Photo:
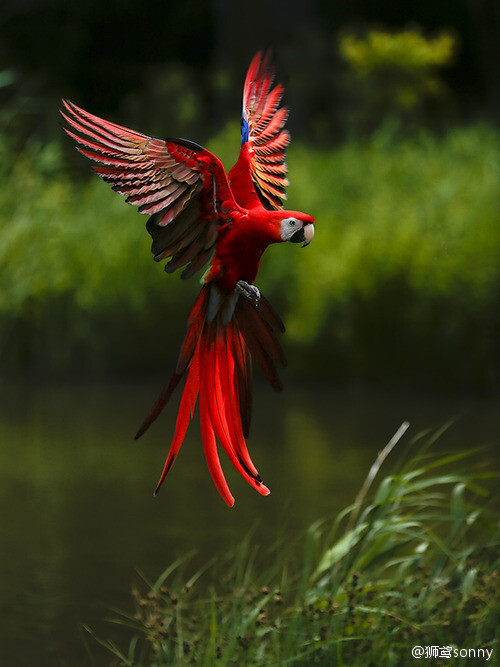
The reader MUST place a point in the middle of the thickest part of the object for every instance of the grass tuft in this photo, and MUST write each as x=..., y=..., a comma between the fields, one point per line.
x=413, y=561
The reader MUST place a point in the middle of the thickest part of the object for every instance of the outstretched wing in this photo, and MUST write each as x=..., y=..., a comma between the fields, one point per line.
x=260, y=175
x=180, y=184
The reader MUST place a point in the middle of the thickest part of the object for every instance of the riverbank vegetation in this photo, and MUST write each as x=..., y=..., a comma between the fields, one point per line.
x=412, y=562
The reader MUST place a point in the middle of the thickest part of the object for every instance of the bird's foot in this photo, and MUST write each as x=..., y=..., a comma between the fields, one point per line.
x=250, y=291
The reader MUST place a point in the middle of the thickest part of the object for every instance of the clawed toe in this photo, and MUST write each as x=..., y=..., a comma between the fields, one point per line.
x=250, y=291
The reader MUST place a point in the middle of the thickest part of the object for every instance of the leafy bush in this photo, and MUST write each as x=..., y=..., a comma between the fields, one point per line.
x=403, y=277
x=394, y=74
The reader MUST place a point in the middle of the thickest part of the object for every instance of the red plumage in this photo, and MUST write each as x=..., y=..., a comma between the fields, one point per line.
x=197, y=215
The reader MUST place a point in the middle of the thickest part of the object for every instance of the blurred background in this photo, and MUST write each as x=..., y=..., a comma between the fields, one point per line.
x=395, y=152
x=392, y=313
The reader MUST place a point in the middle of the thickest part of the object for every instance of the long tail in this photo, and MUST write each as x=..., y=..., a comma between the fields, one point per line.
x=217, y=356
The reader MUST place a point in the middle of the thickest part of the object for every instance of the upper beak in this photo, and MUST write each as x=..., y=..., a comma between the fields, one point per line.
x=303, y=235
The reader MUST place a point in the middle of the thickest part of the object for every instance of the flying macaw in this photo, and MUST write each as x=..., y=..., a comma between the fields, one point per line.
x=198, y=215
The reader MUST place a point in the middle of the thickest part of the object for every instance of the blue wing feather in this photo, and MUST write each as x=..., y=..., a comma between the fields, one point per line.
x=244, y=131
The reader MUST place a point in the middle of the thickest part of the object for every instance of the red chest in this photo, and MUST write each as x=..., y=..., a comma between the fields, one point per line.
x=238, y=253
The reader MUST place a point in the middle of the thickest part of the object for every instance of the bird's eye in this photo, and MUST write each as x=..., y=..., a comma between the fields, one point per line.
x=292, y=223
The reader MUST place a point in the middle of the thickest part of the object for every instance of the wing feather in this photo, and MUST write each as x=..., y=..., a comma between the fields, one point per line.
x=177, y=182
x=261, y=171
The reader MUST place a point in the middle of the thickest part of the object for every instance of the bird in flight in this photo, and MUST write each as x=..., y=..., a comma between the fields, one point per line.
x=199, y=215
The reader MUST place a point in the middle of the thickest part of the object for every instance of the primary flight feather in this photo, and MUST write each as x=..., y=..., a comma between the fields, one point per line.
x=200, y=215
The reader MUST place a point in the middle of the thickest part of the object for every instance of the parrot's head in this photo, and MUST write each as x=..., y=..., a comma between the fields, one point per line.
x=297, y=227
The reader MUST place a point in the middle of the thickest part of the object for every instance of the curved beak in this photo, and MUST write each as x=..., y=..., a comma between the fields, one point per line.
x=308, y=234
x=303, y=235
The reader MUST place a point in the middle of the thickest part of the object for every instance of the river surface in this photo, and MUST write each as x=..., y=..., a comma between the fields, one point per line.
x=79, y=523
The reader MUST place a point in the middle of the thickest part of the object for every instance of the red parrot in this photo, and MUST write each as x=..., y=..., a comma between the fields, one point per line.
x=198, y=215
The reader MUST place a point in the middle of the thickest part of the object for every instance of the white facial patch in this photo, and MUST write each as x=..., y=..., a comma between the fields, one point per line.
x=288, y=227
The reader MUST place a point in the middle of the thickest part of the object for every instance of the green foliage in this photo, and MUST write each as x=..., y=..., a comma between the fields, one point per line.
x=406, y=50
x=413, y=563
x=395, y=73
x=404, y=271
x=402, y=279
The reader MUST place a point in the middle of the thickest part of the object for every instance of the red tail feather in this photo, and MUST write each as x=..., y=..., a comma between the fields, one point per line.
x=240, y=384
x=209, y=441
x=219, y=372
x=185, y=414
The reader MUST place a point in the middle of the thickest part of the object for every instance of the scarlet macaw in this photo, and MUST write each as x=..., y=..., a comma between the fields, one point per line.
x=199, y=214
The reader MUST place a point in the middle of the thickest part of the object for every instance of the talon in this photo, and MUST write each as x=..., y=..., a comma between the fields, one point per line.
x=250, y=291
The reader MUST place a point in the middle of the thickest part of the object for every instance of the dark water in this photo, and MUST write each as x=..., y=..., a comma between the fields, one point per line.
x=78, y=520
